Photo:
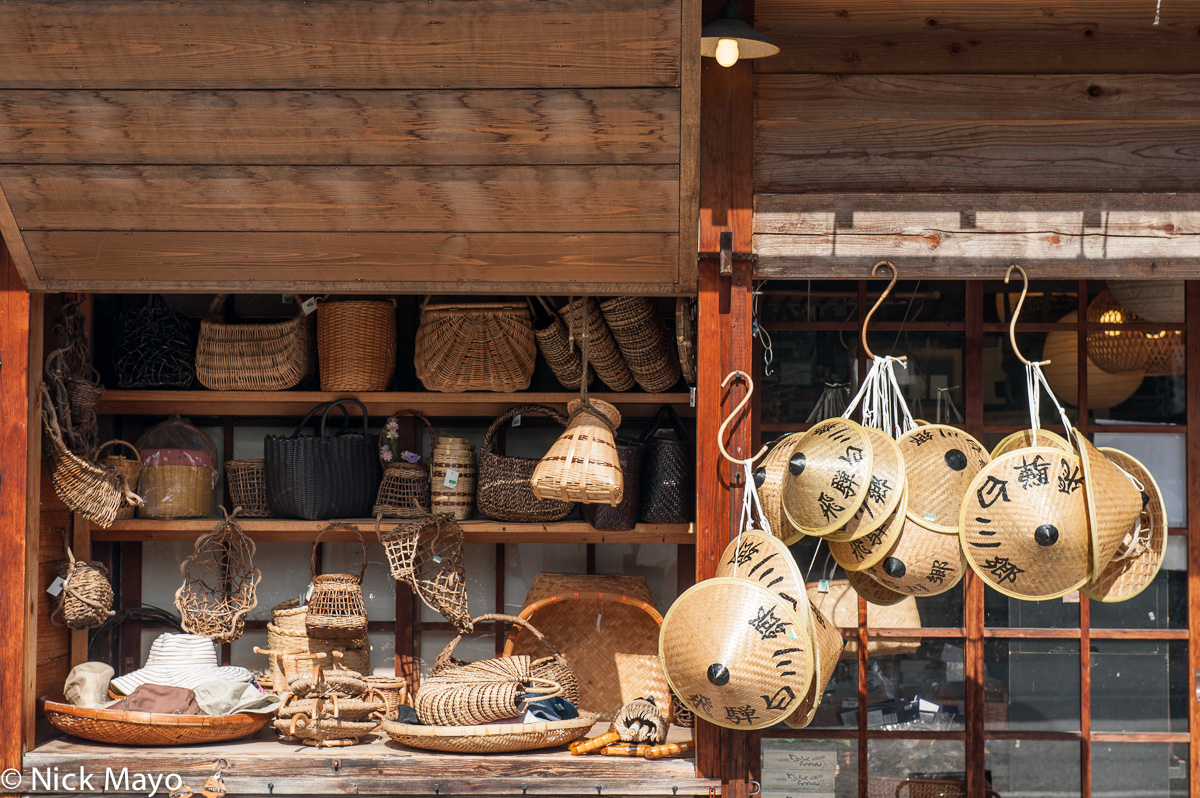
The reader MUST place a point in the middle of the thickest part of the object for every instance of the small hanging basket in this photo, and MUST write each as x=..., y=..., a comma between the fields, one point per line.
x=87, y=596
x=219, y=583
x=248, y=487
x=405, y=490
x=336, y=610
x=427, y=555
x=128, y=469
x=583, y=464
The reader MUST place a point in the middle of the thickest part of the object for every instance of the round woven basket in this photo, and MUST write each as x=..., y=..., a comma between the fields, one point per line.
x=292, y=651
x=455, y=500
x=325, y=732
x=87, y=596
x=863, y=552
x=939, y=463
x=404, y=491
x=148, y=728
x=1155, y=354
x=583, y=464
x=356, y=344
x=176, y=491
x=336, y=610
x=642, y=338
x=491, y=739
x=127, y=468
x=828, y=472
x=248, y=487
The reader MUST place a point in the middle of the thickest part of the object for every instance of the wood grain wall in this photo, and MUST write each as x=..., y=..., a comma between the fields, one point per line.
x=882, y=128
x=350, y=144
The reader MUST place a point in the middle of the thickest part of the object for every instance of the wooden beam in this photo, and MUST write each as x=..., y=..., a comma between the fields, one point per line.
x=1012, y=37
x=689, y=151
x=363, y=262
x=36, y=673
x=1193, y=539
x=290, y=44
x=17, y=552
x=459, y=199
x=347, y=128
x=13, y=243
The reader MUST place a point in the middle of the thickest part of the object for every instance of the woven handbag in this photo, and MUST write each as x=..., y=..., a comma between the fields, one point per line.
x=323, y=476
x=504, y=492
x=258, y=356
x=624, y=516
x=666, y=471
x=155, y=347
x=475, y=347
x=336, y=610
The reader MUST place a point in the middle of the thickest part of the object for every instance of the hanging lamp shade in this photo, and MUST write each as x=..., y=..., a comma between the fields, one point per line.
x=1104, y=389
x=728, y=38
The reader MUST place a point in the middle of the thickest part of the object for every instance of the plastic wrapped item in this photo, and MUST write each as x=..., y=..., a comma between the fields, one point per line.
x=178, y=471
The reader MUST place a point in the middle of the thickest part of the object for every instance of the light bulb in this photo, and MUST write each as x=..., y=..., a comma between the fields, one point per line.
x=727, y=52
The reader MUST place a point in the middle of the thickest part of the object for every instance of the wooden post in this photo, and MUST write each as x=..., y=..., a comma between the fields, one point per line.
x=16, y=586
x=1193, y=528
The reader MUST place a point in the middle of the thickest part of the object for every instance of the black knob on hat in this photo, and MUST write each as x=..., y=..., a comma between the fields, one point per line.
x=1046, y=535
x=760, y=476
x=796, y=464
x=1145, y=499
x=956, y=460
x=718, y=674
x=894, y=567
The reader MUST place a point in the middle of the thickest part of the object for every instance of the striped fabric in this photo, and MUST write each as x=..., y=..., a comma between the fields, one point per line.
x=180, y=660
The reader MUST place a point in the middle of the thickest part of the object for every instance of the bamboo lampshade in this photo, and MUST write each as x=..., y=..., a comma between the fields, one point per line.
x=1153, y=353
x=1104, y=389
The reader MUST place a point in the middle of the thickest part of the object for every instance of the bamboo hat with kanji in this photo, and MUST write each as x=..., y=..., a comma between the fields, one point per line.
x=939, y=463
x=828, y=474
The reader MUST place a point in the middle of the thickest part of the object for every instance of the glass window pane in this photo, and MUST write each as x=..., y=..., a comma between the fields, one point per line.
x=1047, y=301
x=891, y=762
x=839, y=706
x=805, y=361
x=1139, y=685
x=1039, y=679
x=1162, y=605
x=902, y=670
x=1034, y=768
x=1137, y=770
x=792, y=301
x=1002, y=612
x=1165, y=456
x=1005, y=395
x=934, y=373
x=792, y=768
x=942, y=610
x=919, y=301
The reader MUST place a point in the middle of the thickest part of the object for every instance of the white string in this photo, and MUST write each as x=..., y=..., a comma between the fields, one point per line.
x=1157, y=11
x=750, y=503
x=883, y=404
x=816, y=551
x=1035, y=378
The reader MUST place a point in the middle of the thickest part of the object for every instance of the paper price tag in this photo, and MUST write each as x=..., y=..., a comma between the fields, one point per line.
x=308, y=593
x=451, y=479
x=309, y=306
x=822, y=585
x=56, y=586
x=517, y=420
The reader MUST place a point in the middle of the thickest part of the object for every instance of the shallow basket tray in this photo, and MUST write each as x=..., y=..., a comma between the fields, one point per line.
x=148, y=728
x=491, y=738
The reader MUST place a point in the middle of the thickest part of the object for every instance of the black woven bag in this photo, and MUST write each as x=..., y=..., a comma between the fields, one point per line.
x=155, y=347
x=323, y=476
x=504, y=491
x=666, y=471
x=624, y=516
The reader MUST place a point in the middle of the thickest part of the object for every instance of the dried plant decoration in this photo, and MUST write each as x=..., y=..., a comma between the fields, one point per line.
x=219, y=583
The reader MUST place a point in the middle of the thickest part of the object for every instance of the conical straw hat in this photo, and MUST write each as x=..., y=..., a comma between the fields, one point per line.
x=1024, y=524
x=765, y=560
x=1024, y=439
x=769, y=479
x=865, y=585
x=864, y=552
x=1113, y=503
x=828, y=642
x=921, y=562
x=582, y=465
x=883, y=492
x=828, y=473
x=733, y=652
x=1126, y=576
x=939, y=463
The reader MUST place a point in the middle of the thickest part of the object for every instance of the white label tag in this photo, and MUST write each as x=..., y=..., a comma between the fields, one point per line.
x=1071, y=598
x=437, y=559
x=692, y=396
x=822, y=585
x=451, y=479
x=517, y=420
x=309, y=306
x=930, y=517
x=308, y=593
x=56, y=586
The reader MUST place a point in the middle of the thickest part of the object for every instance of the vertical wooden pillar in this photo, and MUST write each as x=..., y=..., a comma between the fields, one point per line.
x=1193, y=527
x=973, y=597
x=15, y=601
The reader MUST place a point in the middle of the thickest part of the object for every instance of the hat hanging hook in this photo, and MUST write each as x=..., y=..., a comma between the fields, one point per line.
x=1012, y=324
x=737, y=412
x=862, y=339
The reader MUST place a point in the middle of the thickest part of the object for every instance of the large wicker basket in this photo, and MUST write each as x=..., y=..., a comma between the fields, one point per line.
x=356, y=344
x=293, y=652
x=492, y=738
x=475, y=347
x=642, y=338
x=175, y=490
x=148, y=728
x=258, y=356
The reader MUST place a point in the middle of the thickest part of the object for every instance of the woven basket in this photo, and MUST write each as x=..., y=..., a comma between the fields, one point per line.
x=1155, y=354
x=148, y=728
x=356, y=344
x=427, y=555
x=127, y=468
x=614, y=663
x=248, y=487
x=504, y=490
x=259, y=356
x=583, y=465
x=496, y=739
x=642, y=338
x=175, y=490
x=404, y=491
x=391, y=690
x=291, y=650
x=325, y=732
x=219, y=583
x=624, y=516
x=475, y=347
x=604, y=355
x=455, y=500
x=155, y=347
x=87, y=596
x=559, y=349
x=336, y=610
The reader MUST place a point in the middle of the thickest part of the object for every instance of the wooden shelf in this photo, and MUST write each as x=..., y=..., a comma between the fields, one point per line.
x=480, y=404
x=481, y=531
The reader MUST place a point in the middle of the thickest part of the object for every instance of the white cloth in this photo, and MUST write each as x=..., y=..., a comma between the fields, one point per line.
x=180, y=660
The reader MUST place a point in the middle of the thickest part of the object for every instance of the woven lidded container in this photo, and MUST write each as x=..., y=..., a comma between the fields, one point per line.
x=253, y=356
x=248, y=487
x=642, y=338
x=293, y=652
x=604, y=356
x=452, y=476
x=129, y=469
x=178, y=475
x=475, y=347
x=583, y=464
x=356, y=344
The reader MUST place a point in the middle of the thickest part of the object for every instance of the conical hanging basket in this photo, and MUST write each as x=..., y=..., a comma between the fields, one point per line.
x=1023, y=526
x=828, y=472
x=583, y=464
x=1155, y=354
x=885, y=489
x=769, y=479
x=863, y=552
x=921, y=562
x=939, y=462
x=828, y=644
x=1113, y=502
x=1137, y=562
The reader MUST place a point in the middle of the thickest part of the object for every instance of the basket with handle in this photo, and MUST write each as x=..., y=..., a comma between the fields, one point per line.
x=666, y=494
x=475, y=346
x=404, y=491
x=469, y=694
x=220, y=582
x=248, y=487
x=127, y=468
x=256, y=356
x=504, y=492
x=356, y=344
x=291, y=649
x=642, y=338
x=336, y=610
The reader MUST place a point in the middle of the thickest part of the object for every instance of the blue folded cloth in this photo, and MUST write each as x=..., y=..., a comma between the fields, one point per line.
x=550, y=709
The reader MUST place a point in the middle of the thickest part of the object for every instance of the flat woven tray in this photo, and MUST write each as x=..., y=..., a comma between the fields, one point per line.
x=491, y=738
x=148, y=728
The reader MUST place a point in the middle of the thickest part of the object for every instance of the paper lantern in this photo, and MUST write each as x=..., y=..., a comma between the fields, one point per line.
x=1104, y=389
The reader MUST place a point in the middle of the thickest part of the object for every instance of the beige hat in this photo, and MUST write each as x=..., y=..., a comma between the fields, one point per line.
x=863, y=552
x=828, y=474
x=87, y=685
x=828, y=643
x=1025, y=438
x=866, y=586
x=1113, y=502
x=769, y=479
x=939, y=463
x=883, y=492
x=921, y=562
x=180, y=660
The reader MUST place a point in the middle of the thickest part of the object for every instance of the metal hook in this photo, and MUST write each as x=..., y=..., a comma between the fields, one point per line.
x=862, y=337
x=1012, y=324
x=736, y=412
